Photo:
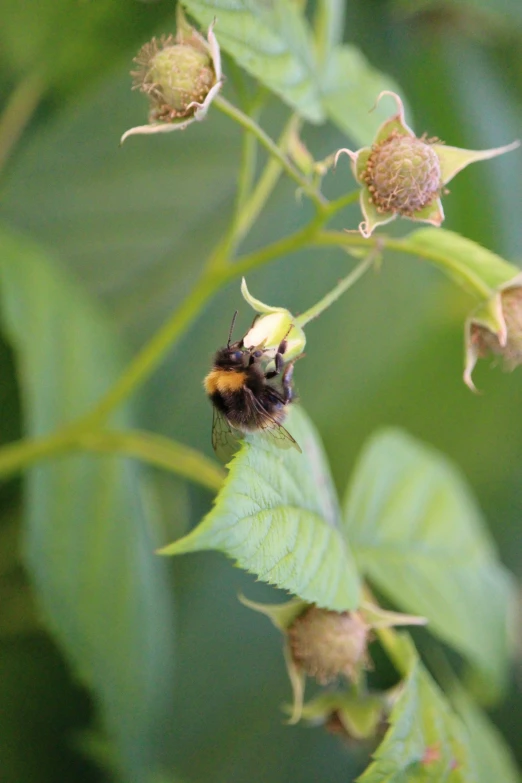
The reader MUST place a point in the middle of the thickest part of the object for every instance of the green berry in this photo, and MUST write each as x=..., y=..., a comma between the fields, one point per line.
x=403, y=175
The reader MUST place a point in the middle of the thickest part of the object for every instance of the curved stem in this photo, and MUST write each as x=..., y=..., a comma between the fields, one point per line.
x=246, y=169
x=266, y=183
x=447, y=262
x=158, y=451
x=146, y=446
x=271, y=147
x=333, y=295
x=16, y=456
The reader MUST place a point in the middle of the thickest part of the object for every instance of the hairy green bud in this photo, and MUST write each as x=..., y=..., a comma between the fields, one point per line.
x=403, y=175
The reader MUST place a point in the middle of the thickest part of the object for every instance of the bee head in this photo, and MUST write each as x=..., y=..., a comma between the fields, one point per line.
x=232, y=358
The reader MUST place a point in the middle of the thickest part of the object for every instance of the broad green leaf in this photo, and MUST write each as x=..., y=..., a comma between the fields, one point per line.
x=350, y=86
x=425, y=741
x=277, y=517
x=463, y=259
x=493, y=758
x=419, y=537
x=273, y=42
x=89, y=536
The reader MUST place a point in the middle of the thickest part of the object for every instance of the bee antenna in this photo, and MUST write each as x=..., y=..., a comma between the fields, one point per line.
x=231, y=329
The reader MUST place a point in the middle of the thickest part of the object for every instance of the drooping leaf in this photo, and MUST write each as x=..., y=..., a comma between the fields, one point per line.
x=425, y=741
x=464, y=259
x=277, y=516
x=273, y=42
x=90, y=534
x=419, y=537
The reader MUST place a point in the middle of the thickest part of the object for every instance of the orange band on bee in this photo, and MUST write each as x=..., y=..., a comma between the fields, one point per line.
x=224, y=381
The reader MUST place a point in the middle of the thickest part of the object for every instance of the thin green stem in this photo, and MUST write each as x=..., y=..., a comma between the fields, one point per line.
x=19, y=455
x=281, y=247
x=158, y=451
x=246, y=171
x=340, y=203
x=266, y=184
x=445, y=262
x=18, y=111
x=145, y=446
x=333, y=295
x=271, y=147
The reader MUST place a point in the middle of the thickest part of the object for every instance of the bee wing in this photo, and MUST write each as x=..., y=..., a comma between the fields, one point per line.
x=275, y=432
x=224, y=438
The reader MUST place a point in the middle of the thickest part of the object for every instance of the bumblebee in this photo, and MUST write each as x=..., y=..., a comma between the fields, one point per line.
x=242, y=397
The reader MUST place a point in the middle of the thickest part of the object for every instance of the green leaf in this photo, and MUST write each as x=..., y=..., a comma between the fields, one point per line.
x=425, y=741
x=277, y=516
x=493, y=758
x=419, y=537
x=470, y=264
x=273, y=42
x=350, y=86
x=90, y=533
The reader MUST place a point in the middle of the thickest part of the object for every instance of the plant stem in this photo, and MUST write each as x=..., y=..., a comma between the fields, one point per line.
x=18, y=111
x=266, y=183
x=271, y=147
x=246, y=169
x=158, y=451
x=340, y=203
x=446, y=262
x=145, y=446
x=331, y=297
x=16, y=456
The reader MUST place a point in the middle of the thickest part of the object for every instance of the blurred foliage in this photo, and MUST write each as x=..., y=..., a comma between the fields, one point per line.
x=129, y=230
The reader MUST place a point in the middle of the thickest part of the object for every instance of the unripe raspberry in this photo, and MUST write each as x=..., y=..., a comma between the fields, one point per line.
x=326, y=644
x=174, y=76
x=485, y=340
x=403, y=175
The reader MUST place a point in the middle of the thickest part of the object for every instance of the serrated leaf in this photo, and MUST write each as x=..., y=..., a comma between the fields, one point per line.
x=350, y=86
x=419, y=537
x=277, y=516
x=465, y=260
x=271, y=40
x=425, y=741
x=89, y=535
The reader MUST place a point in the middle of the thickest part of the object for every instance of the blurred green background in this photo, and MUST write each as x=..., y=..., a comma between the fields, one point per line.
x=130, y=229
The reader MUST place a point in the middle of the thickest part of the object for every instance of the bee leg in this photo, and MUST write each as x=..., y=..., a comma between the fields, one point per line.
x=279, y=360
x=286, y=382
x=288, y=389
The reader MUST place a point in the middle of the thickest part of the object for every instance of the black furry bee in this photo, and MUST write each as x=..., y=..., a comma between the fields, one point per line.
x=244, y=400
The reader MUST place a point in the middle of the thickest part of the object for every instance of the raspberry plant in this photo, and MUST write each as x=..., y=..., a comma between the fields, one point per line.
x=396, y=629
